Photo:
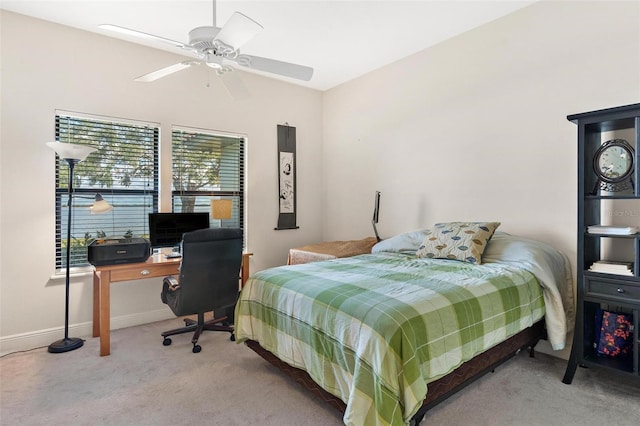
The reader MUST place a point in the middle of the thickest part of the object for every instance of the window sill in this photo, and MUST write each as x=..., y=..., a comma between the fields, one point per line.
x=82, y=271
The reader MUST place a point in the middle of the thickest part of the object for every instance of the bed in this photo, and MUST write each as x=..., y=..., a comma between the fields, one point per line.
x=384, y=336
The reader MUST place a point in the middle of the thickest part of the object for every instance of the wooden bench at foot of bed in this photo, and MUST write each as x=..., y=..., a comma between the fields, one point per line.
x=440, y=389
x=330, y=250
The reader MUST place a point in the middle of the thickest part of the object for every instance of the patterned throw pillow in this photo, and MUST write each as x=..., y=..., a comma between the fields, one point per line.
x=463, y=241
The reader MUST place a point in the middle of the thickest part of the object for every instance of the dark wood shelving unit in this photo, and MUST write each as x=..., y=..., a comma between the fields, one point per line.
x=597, y=291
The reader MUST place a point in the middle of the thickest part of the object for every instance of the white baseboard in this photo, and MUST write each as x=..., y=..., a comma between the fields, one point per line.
x=42, y=338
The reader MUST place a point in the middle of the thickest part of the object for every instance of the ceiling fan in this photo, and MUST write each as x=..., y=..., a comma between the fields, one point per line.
x=219, y=48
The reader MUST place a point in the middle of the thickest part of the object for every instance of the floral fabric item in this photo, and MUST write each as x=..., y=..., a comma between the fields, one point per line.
x=463, y=241
x=615, y=335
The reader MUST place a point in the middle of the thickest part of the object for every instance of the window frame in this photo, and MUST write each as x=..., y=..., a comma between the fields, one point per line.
x=240, y=193
x=85, y=192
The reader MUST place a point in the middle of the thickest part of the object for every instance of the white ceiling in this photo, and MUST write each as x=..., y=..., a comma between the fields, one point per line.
x=341, y=40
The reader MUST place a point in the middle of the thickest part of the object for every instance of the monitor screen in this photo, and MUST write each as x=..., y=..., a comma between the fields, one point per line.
x=166, y=229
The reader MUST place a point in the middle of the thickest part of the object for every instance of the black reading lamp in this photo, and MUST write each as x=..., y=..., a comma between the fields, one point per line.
x=72, y=154
x=376, y=213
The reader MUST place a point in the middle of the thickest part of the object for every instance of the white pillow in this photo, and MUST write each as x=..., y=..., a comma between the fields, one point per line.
x=408, y=241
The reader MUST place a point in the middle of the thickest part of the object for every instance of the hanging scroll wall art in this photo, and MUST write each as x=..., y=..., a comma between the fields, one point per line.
x=287, y=177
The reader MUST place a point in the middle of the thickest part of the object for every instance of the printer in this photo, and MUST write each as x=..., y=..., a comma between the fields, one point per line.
x=113, y=251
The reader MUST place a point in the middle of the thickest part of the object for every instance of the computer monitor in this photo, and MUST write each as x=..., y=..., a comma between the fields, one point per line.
x=166, y=229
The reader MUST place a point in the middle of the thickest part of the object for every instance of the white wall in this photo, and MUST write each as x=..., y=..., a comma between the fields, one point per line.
x=475, y=128
x=45, y=67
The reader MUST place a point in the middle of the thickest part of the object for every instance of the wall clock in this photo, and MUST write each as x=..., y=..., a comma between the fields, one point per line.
x=613, y=166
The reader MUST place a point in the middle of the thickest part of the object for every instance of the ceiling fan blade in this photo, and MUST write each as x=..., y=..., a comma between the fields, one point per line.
x=163, y=72
x=238, y=30
x=234, y=85
x=127, y=31
x=273, y=66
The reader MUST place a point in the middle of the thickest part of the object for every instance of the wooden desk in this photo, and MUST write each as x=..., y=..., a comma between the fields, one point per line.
x=103, y=276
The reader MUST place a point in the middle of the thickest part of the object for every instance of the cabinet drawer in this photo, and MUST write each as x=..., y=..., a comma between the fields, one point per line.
x=612, y=290
x=135, y=273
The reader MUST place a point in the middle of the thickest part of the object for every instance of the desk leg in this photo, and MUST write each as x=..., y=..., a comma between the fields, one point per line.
x=96, y=303
x=105, y=312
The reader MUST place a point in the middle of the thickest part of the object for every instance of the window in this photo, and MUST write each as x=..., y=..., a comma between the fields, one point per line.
x=208, y=166
x=124, y=170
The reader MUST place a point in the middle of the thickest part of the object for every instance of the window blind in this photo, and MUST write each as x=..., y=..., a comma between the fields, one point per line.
x=124, y=170
x=208, y=166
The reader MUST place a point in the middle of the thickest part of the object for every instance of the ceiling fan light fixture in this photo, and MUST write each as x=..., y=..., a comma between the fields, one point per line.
x=214, y=61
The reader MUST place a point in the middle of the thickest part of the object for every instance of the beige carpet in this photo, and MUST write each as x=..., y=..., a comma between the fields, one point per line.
x=145, y=383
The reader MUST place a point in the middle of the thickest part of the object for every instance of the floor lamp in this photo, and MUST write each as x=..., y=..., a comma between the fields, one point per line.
x=72, y=154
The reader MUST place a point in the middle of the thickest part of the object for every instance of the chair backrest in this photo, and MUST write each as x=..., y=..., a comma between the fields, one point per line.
x=210, y=270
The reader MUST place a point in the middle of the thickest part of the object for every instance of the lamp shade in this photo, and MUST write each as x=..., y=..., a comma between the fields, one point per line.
x=221, y=209
x=71, y=151
x=100, y=205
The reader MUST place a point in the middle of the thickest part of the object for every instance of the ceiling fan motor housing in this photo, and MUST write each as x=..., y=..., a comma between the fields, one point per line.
x=202, y=38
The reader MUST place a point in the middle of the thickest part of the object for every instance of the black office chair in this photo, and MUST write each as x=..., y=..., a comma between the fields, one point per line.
x=209, y=274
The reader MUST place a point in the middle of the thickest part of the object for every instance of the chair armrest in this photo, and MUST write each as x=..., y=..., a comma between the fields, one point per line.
x=169, y=285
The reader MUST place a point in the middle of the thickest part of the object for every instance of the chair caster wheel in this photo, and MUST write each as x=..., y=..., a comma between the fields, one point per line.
x=196, y=348
x=232, y=337
x=166, y=341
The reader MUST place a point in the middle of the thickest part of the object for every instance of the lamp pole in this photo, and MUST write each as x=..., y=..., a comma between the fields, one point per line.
x=68, y=343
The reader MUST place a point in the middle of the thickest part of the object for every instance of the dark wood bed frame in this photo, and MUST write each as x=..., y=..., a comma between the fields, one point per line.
x=440, y=389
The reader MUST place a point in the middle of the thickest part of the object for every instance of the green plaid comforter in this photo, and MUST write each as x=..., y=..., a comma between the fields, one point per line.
x=375, y=329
